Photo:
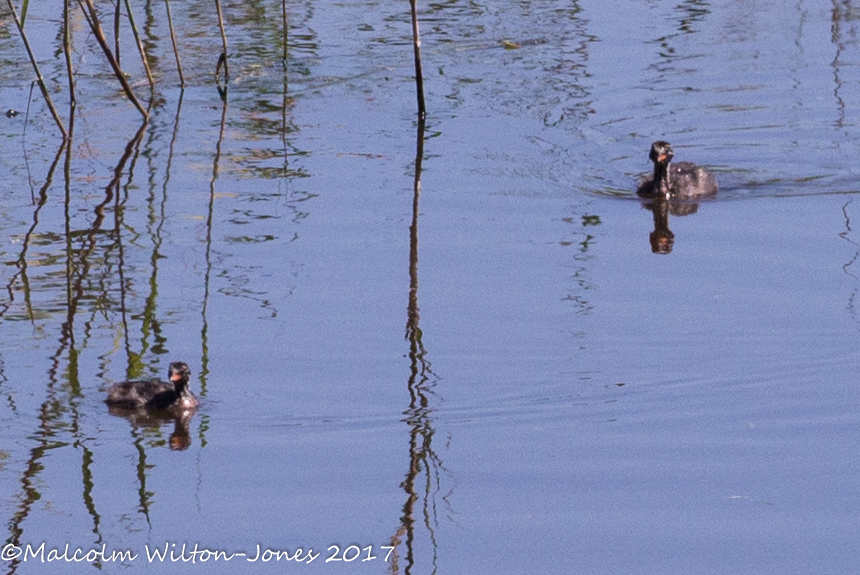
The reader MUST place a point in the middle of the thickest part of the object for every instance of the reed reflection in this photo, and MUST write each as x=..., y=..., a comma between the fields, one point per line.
x=585, y=237
x=59, y=414
x=847, y=267
x=89, y=272
x=21, y=263
x=216, y=160
x=843, y=33
x=423, y=477
x=88, y=289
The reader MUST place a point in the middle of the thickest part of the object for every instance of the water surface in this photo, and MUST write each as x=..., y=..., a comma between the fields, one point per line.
x=506, y=380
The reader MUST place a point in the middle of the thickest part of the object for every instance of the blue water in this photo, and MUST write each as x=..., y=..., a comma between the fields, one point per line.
x=531, y=389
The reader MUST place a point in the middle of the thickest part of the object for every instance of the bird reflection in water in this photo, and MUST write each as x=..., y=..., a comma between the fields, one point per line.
x=153, y=420
x=152, y=403
x=662, y=238
x=670, y=190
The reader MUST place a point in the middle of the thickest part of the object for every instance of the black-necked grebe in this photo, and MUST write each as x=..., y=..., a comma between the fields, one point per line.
x=155, y=394
x=675, y=181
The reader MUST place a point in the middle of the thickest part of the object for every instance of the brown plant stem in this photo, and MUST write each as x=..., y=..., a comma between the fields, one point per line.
x=116, y=15
x=222, y=59
x=175, y=47
x=141, y=50
x=96, y=28
x=286, y=32
x=39, y=79
x=416, y=46
x=67, y=52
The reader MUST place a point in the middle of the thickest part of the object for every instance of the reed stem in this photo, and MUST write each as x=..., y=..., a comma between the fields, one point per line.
x=419, y=74
x=67, y=52
x=286, y=31
x=140, y=47
x=222, y=59
x=39, y=79
x=116, y=15
x=175, y=47
x=96, y=28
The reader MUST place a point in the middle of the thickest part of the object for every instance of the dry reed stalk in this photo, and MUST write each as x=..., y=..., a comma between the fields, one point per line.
x=96, y=28
x=175, y=47
x=39, y=79
x=67, y=52
x=141, y=50
x=222, y=59
x=116, y=15
x=416, y=45
x=286, y=34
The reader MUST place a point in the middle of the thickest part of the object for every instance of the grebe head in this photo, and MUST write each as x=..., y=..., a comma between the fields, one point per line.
x=179, y=375
x=661, y=152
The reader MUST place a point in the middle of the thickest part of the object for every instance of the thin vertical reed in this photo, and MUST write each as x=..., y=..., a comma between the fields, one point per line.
x=86, y=14
x=286, y=32
x=222, y=59
x=140, y=47
x=67, y=52
x=27, y=115
x=175, y=47
x=416, y=45
x=96, y=28
x=116, y=15
x=39, y=79
x=413, y=331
